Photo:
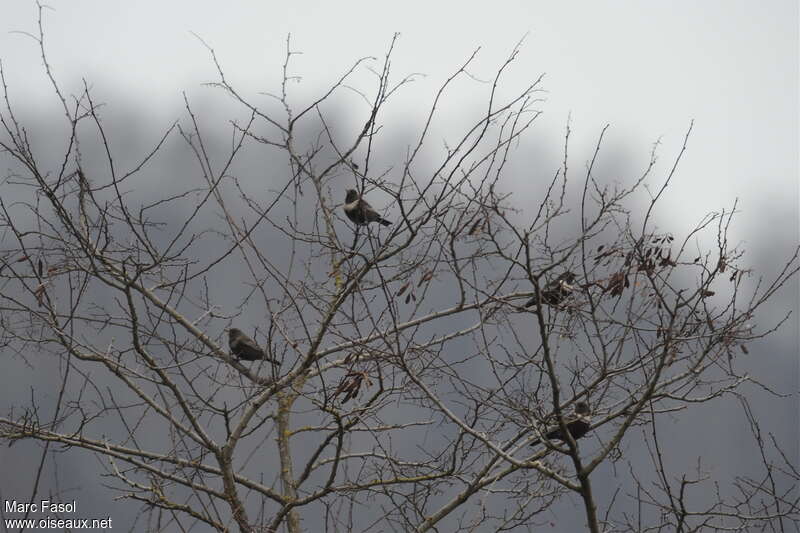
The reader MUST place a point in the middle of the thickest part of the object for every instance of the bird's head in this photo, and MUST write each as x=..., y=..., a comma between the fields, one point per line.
x=233, y=333
x=582, y=408
x=352, y=196
x=567, y=277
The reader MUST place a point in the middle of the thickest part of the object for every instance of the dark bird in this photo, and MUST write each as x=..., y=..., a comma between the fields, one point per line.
x=246, y=348
x=555, y=291
x=359, y=211
x=578, y=425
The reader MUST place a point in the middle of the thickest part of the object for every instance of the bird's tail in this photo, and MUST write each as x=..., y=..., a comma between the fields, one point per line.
x=384, y=222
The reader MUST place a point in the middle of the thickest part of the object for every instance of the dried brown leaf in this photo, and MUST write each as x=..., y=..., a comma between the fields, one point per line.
x=425, y=277
x=477, y=226
x=403, y=289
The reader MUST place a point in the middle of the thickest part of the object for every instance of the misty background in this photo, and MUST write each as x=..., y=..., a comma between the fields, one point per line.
x=647, y=70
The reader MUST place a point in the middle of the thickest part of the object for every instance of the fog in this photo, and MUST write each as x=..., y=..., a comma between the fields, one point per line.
x=648, y=71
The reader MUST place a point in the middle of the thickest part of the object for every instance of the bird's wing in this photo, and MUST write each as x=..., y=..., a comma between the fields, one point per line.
x=369, y=213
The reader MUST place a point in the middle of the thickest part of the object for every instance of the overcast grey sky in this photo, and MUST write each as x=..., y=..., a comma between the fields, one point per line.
x=646, y=68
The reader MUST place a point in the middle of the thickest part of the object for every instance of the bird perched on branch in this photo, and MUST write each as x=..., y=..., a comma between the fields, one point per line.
x=578, y=425
x=359, y=211
x=555, y=291
x=246, y=348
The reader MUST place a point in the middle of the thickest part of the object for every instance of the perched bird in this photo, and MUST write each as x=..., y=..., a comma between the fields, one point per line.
x=359, y=211
x=246, y=348
x=578, y=425
x=555, y=291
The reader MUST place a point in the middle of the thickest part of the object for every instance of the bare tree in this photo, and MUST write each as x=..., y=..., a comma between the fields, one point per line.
x=412, y=377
